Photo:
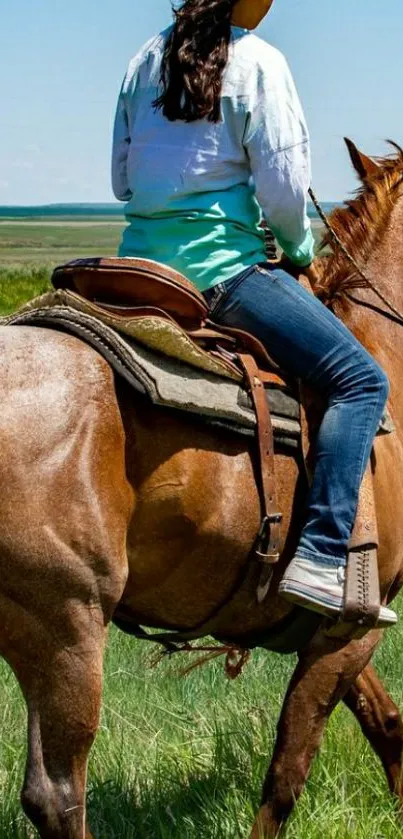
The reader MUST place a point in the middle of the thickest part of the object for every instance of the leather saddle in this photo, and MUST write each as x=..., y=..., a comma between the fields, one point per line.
x=129, y=283
x=128, y=286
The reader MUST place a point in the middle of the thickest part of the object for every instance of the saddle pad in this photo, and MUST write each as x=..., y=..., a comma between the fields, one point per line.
x=167, y=381
x=160, y=334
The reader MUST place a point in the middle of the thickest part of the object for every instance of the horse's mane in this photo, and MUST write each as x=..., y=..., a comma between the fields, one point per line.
x=360, y=224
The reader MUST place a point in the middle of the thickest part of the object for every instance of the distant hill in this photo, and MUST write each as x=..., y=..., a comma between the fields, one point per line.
x=111, y=209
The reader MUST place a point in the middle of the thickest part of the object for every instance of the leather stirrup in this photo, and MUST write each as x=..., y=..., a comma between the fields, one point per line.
x=362, y=599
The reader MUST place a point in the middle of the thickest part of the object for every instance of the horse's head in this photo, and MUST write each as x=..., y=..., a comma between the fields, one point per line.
x=371, y=228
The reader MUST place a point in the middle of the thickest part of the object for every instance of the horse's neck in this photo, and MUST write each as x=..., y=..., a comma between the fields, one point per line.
x=380, y=334
x=385, y=265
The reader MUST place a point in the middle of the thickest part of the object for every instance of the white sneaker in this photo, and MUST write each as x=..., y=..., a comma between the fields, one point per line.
x=320, y=588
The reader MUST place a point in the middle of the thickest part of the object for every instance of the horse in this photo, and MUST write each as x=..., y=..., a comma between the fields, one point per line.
x=108, y=502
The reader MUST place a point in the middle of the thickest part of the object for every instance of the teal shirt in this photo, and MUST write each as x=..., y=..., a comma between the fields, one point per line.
x=197, y=192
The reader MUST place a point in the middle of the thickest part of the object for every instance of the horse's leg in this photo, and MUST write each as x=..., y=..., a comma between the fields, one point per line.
x=62, y=689
x=65, y=506
x=322, y=677
x=381, y=722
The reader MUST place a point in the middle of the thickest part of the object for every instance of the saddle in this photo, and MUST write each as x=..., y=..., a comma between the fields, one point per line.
x=130, y=289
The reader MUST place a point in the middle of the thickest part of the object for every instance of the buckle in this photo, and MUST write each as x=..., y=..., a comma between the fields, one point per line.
x=272, y=518
x=263, y=539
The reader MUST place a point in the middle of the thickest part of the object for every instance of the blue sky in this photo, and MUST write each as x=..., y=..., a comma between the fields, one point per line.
x=62, y=61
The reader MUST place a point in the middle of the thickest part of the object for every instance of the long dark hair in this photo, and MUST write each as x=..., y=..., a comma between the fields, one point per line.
x=195, y=57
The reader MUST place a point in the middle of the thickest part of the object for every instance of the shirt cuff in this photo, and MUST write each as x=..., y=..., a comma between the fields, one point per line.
x=302, y=254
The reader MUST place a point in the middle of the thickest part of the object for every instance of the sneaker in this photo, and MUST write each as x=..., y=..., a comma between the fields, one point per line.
x=320, y=588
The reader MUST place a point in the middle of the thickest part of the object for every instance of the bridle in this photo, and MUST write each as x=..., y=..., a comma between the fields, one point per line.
x=398, y=316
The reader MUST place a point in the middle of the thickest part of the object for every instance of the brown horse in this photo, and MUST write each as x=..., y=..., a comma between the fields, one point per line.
x=106, y=501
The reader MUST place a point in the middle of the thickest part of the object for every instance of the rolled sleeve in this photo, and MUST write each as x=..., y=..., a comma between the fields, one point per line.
x=277, y=142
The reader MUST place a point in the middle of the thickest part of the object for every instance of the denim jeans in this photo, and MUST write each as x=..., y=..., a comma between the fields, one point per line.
x=309, y=342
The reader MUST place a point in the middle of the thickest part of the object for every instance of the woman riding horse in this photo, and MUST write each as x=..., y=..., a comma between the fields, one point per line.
x=209, y=138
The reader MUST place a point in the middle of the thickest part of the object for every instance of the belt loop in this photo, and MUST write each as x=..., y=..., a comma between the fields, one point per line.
x=218, y=292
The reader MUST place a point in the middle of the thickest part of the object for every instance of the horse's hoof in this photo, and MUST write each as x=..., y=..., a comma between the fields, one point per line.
x=265, y=826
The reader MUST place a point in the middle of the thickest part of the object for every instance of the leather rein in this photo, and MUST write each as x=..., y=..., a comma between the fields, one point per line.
x=397, y=315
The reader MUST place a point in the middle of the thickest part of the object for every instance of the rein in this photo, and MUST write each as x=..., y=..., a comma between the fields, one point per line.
x=336, y=239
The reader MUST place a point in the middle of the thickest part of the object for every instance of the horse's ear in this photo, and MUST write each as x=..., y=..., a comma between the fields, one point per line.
x=363, y=165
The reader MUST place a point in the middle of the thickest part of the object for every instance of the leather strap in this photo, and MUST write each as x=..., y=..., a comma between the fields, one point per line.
x=247, y=344
x=206, y=334
x=266, y=548
x=273, y=379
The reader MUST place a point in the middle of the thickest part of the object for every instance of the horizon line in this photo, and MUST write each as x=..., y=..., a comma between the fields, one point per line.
x=116, y=204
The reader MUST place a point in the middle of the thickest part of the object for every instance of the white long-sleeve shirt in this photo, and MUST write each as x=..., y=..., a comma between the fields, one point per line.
x=196, y=191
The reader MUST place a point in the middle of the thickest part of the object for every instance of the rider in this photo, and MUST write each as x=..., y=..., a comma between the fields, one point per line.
x=209, y=137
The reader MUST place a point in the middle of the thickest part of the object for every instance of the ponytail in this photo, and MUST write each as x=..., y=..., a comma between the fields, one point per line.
x=194, y=60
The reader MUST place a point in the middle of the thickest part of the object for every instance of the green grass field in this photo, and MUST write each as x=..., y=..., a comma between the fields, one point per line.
x=185, y=758
x=29, y=250
x=50, y=243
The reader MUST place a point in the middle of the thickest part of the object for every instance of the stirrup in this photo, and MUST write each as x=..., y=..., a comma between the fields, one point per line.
x=362, y=597
x=362, y=603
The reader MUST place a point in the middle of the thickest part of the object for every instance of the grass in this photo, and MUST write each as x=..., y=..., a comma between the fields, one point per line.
x=25, y=243
x=17, y=285
x=185, y=758
x=29, y=250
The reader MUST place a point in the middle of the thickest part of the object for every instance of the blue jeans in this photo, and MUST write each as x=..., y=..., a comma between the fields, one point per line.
x=309, y=342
